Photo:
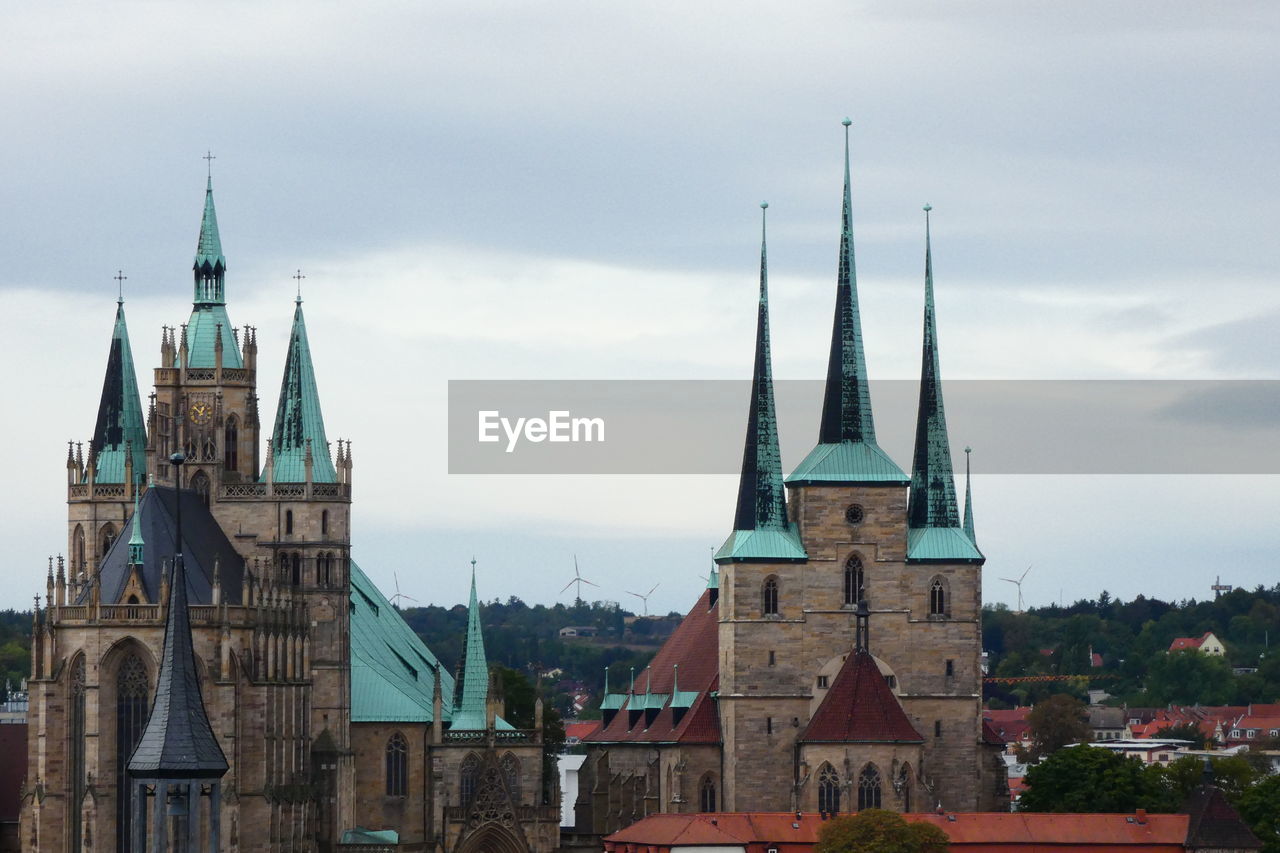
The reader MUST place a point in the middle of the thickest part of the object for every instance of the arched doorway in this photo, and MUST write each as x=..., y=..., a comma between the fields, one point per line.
x=493, y=838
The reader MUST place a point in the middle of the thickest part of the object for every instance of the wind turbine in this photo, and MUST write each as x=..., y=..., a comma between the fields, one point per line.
x=579, y=580
x=399, y=596
x=645, y=598
x=1018, y=584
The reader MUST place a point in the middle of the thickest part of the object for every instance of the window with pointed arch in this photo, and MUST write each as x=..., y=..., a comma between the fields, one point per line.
x=77, y=549
x=324, y=522
x=200, y=485
x=511, y=772
x=297, y=570
x=467, y=778
x=904, y=783
x=707, y=794
x=288, y=521
x=209, y=445
x=106, y=537
x=397, y=766
x=855, y=581
x=869, y=788
x=231, y=444
x=769, y=597
x=131, y=718
x=828, y=789
x=939, y=604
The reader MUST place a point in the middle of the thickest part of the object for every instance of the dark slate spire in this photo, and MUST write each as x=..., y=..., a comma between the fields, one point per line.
x=847, y=451
x=761, y=530
x=933, y=515
x=299, y=424
x=209, y=321
x=119, y=430
x=178, y=742
x=968, y=498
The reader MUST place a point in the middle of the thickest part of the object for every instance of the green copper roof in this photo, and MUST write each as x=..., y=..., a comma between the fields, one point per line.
x=298, y=417
x=968, y=499
x=120, y=423
x=206, y=324
x=392, y=673
x=470, y=709
x=713, y=579
x=136, y=544
x=680, y=698
x=210, y=264
x=761, y=530
x=847, y=451
x=933, y=516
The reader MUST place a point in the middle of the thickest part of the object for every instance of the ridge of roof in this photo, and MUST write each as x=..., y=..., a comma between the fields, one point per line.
x=860, y=708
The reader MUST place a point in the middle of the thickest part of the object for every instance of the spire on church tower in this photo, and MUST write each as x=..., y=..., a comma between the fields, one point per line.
x=933, y=516
x=298, y=417
x=120, y=430
x=761, y=530
x=137, y=547
x=847, y=451
x=209, y=326
x=470, y=709
x=968, y=498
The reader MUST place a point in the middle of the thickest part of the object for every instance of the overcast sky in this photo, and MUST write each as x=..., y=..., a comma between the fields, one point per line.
x=569, y=190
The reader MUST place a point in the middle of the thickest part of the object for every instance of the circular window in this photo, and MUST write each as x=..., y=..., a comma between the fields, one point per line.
x=854, y=514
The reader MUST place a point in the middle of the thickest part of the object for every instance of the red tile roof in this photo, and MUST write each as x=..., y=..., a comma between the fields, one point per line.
x=1009, y=725
x=968, y=832
x=990, y=736
x=581, y=730
x=695, y=647
x=859, y=707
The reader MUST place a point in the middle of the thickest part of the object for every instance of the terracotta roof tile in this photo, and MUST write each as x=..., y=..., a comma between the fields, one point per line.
x=860, y=707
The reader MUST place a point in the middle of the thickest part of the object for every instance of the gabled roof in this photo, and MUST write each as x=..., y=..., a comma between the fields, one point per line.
x=694, y=647
x=1180, y=643
x=120, y=425
x=392, y=672
x=205, y=545
x=1214, y=824
x=299, y=422
x=860, y=708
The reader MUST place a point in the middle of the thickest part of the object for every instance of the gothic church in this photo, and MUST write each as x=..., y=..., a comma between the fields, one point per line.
x=337, y=724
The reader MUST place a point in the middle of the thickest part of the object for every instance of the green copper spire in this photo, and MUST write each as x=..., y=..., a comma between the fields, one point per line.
x=933, y=516
x=473, y=687
x=137, y=547
x=968, y=498
x=299, y=424
x=761, y=530
x=119, y=431
x=209, y=323
x=210, y=263
x=847, y=451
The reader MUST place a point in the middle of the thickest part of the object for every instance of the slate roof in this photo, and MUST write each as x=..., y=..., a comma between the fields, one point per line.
x=694, y=647
x=120, y=424
x=205, y=545
x=1214, y=824
x=392, y=671
x=860, y=708
x=298, y=417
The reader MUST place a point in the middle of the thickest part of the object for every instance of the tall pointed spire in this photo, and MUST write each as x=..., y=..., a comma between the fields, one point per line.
x=847, y=451
x=137, y=547
x=761, y=530
x=209, y=325
x=120, y=429
x=469, y=710
x=210, y=264
x=298, y=417
x=968, y=498
x=933, y=515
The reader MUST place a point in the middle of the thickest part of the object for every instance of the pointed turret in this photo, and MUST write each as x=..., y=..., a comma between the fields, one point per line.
x=209, y=327
x=933, y=515
x=178, y=741
x=470, y=709
x=968, y=498
x=120, y=430
x=137, y=547
x=847, y=451
x=298, y=418
x=761, y=530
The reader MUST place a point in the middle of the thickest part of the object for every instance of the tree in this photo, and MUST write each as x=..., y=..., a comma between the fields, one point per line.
x=879, y=831
x=1089, y=779
x=1056, y=722
x=1260, y=808
x=1232, y=773
x=1189, y=676
x=1184, y=731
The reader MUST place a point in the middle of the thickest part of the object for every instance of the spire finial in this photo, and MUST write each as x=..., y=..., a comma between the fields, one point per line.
x=208, y=158
x=298, y=277
x=120, y=278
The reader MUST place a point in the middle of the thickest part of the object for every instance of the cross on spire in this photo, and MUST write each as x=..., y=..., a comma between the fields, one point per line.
x=120, y=278
x=298, y=277
x=208, y=158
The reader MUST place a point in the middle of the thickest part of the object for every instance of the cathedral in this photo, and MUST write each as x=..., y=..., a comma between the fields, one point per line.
x=210, y=601
x=833, y=662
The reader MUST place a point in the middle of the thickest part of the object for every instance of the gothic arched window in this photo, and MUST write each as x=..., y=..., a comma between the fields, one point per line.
x=511, y=772
x=869, y=788
x=397, y=766
x=77, y=549
x=938, y=597
x=828, y=789
x=131, y=718
x=324, y=522
x=210, y=447
x=297, y=569
x=467, y=778
x=200, y=485
x=855, y=581
x=904, y=782
x=769, y=597
x=707, y=794
x=231, y=444
x=105, y=538
x=288, y=521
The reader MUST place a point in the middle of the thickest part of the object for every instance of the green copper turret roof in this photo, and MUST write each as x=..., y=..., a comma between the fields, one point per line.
x=933, y=517
x=968, y=499
x=209, y=322
x=761, y=530
x=298, y=418
x=209, y=257
x=136, y=544
x=119, y=429
x=847, y=451
x=469, y=712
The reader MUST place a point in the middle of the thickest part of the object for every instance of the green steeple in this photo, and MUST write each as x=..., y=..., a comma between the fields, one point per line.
x=761, y=530
x=469, y=709
x=298, y=418
x=119, y=429
x=136, y=546
x=209, y=321
x=847, y=451
x=933, y=517
x=968, y=498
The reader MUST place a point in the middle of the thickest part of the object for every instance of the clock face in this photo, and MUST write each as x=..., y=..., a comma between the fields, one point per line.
x=201, y=413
